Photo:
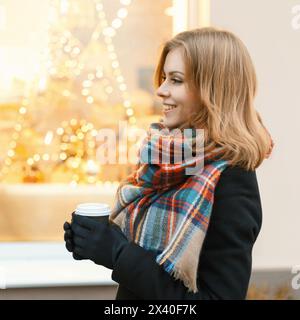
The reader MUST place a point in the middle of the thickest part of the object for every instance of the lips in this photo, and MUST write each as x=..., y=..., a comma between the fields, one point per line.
x=169, y=107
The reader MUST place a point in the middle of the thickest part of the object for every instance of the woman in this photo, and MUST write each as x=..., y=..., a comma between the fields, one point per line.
x=173, y=235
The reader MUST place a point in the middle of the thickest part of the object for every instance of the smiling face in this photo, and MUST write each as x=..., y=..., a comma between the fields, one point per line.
x=179, y=101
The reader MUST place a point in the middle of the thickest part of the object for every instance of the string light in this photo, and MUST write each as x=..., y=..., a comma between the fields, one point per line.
x=65, y=42
x=48, y=137
x=107, y=31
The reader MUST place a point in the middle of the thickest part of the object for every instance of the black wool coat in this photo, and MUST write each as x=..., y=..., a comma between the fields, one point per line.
x=225, y=260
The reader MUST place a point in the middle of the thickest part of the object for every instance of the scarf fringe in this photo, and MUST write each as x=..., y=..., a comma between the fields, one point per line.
x=188, y=281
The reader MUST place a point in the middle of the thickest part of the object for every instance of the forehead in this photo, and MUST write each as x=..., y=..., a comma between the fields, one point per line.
x=174, y=61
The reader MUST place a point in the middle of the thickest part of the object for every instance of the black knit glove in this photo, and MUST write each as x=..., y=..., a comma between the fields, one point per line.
x=100, y=242
x=68, y=236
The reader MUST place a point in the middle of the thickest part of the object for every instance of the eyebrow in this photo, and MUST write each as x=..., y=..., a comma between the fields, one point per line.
x=172, y=72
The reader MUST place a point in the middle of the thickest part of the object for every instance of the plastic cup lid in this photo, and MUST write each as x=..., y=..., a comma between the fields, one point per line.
x=92, y=214
x=93, y=204
x=93, y=209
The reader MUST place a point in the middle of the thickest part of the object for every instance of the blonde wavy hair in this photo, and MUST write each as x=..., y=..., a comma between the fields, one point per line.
x=219, y=68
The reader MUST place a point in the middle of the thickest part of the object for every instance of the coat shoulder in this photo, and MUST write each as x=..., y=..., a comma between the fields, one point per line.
x=238, y=191
x=234, y=177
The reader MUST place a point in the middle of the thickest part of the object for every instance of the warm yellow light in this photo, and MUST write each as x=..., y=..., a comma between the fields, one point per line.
x=30, y=162
x=77, y=72
x=73, y=138
x=10, y=153
x=25, y=102
x=122, y=13
x=42, y=84
x=115, y=64
x=123, y=87
x=36, y=157
x=109, y=32
x=90, y=99
x=48, y=137
x=22, y=110
x=90, y=126
x=120, y=79
x=63, y=156
x=125, y=2
x=99, y=74
x=15, y=135
x=13, y=144
x=129, y=112
x=102, y=16
x=85, y=92
x=92, y=167
x=73, y=184
x=91, y=179
x=66, y=93
x=18, y=127
x=8, y=162
x=99, y=7
x=64, y=7
x=113, y=56
x=64, y=146
x=132, y=120
x=73, y=122
x=85, y=128
x=87, y=83
x=116, y=23
x=60, y=131
x=117, y=72
x=67, y=49
x=94, y=132
x=46, y=157
x=91, y=76
x=76, y=50
x=95, y=35
x=80, y=135
x=127, y=103
x=75, y=162
x=91, y=144
x=110, y=48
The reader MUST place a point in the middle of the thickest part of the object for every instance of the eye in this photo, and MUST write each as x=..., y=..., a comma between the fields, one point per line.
x=163, y=78
x=176, y=81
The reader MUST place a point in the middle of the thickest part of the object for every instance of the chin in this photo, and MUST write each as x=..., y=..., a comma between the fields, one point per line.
x=170, y=124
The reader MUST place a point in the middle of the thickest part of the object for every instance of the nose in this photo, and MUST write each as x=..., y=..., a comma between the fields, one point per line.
x=162, y=91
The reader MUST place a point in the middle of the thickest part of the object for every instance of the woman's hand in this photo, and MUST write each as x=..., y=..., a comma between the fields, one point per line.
x=68, y=236
x=98, y=241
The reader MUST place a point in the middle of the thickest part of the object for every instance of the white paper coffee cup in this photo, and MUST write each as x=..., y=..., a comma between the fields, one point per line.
x=98, y=211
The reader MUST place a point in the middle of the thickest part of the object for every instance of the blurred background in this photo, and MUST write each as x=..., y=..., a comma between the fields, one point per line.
x=72, y=67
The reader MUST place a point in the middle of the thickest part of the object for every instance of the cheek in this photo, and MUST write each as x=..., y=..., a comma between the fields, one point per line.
x=188, y=108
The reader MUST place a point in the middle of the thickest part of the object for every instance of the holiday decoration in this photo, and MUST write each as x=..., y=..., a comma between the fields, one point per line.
x=78, y=90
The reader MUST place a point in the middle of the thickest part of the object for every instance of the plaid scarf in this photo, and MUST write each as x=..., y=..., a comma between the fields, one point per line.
x=162, y=209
